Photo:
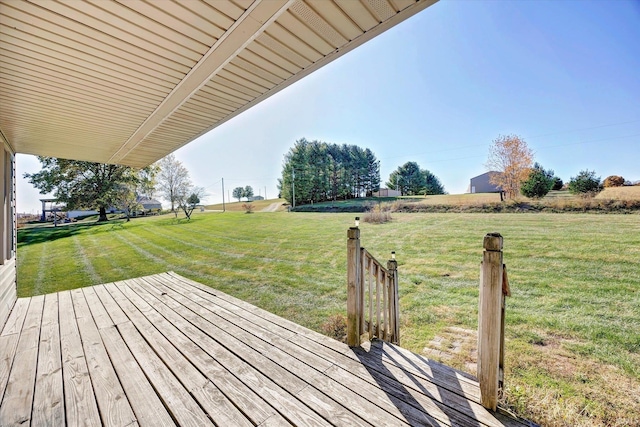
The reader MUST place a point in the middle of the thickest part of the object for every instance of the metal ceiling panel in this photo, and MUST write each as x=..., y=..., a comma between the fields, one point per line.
x=130, y=81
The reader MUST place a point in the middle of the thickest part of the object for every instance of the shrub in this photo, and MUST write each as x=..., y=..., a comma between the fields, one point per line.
x=557, y=184
x=377, y=215
x=335, y=327
x=248, y=207
x=538, y=183
x=613, y=181
x=585, y=183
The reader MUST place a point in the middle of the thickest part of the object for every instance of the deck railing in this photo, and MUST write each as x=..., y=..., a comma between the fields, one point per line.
x=494, y=288
x=372, y=307
x=380, y=314
x=372, y=295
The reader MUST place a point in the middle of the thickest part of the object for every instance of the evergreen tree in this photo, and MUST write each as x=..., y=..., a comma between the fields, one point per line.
x=586, y=183
x=410, y=180
x=539, y=182
x=318, y=171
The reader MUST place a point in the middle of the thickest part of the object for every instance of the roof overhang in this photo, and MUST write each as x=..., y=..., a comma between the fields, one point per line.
x=129, y=82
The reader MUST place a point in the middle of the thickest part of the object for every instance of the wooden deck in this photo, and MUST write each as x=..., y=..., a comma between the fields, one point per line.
x=164, y=350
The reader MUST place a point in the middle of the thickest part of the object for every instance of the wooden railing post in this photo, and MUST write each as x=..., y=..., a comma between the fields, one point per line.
x=394, y=305
x=490, y=321
x=353, y=287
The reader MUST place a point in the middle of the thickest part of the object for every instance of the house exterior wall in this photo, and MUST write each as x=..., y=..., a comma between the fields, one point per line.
x=152, y=207
x=76, y=214
x=8, y=290
x=481, y=184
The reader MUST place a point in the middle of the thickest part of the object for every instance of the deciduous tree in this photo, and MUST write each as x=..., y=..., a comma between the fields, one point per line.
x=248, y=192
x=127, y=199
x=613, y=181
x=173, y=180
x=189, y=199
x=83, y=185
x=148, y=181
x=509, y=155
x=238, y=193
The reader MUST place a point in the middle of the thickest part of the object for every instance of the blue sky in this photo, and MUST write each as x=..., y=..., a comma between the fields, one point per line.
x=439, y=87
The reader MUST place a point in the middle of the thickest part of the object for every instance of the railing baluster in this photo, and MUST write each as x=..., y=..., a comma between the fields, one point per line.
x=370, y=296
x=394, y=312
x=361, y=284
x=378, y=279
x=385, y=306
x=363, y=270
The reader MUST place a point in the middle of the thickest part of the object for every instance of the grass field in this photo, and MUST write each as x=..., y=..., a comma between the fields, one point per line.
x=620, y=193
x=621, y=200
x=573, y=321
x=258, y=205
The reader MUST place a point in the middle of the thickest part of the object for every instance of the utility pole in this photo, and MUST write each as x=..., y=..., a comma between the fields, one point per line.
x=223, y=209
x=293, y=185
x=265, y=192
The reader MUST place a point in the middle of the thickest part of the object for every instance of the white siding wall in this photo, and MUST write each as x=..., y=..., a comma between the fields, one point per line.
x=8, y=291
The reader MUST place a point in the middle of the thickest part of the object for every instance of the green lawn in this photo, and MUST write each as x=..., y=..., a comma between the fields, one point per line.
x=573, y=321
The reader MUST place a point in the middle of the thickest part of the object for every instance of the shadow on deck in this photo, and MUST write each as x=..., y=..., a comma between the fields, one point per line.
x=164, y=350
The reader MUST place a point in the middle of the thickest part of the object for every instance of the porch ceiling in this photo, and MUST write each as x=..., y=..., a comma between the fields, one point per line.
x=131, y=81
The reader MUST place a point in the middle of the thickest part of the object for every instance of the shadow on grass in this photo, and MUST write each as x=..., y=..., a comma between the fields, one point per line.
x=177, y=221
x=47, y=233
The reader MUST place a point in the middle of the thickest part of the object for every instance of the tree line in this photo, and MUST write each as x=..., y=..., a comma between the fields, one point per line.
x=316, y=171
x=99, y=186
x=513, y=159
x=240, y=192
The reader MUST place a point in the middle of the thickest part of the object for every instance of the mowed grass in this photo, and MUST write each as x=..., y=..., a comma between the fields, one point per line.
x=258, y=205
x=573, y=321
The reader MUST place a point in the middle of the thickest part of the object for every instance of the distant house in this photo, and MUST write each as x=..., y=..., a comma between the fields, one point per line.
x=481, y=184
x=80, y=213
x=386, y=192
x=149, y=205
x=255, y=198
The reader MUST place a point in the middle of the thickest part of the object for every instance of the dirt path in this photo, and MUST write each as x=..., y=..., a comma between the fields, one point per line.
x=273, y=207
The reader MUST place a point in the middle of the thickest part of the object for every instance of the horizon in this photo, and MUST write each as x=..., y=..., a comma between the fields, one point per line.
x=561, y=75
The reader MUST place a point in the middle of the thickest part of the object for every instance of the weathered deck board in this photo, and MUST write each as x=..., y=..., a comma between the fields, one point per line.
x=80, y=402
x=164, y=350
x=114, y=407
x=48, y=401
x=18, y=396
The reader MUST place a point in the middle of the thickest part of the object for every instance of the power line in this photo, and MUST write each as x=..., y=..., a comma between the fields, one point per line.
x=544, y=147
x=529, y=137
x=589, y=128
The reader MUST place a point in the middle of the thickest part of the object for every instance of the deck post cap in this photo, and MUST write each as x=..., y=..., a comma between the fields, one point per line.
x=493, y=242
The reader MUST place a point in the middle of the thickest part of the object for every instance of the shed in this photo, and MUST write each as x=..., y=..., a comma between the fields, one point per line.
x=150, y=204
x=482, y=184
